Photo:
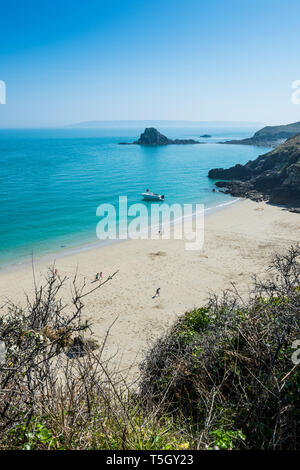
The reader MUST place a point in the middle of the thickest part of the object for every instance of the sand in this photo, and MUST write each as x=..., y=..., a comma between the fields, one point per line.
x=240, y=241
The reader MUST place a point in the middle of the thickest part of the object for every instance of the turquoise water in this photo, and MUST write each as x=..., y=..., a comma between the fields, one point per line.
x=52, y=181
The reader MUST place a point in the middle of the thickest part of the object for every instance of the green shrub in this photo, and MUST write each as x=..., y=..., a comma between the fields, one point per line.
x=228, y=366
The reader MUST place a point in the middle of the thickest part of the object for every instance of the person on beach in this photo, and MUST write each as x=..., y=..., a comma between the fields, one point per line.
x=157, y=293
x=97, y=277
x=100, y=276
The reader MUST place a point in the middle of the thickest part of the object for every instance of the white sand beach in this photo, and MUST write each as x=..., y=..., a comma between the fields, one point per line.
x=239, y=242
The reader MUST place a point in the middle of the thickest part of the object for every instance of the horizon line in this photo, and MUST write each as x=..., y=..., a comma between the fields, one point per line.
x=120, y=122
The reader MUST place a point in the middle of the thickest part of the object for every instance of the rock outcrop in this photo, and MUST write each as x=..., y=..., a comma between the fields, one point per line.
x=274, y=176
x=270, y=136
x=151, y=137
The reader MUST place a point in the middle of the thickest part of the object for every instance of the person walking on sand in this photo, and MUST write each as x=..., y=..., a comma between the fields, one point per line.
x=97, y=277
x=157, y=293
x=100, y=276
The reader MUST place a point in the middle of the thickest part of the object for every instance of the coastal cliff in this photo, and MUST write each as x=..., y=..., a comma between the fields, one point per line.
x=270, y=136
x=151, y=137
x=274, y=176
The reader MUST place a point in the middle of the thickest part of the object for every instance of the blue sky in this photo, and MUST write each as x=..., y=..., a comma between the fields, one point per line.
x=70, y=61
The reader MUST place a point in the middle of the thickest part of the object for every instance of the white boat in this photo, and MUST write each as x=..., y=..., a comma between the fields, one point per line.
x=148, y=196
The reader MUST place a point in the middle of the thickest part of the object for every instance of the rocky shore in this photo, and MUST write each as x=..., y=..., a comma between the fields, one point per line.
x=274, y=176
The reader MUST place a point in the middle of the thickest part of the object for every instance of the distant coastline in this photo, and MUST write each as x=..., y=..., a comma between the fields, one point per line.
x=269, y=136
x=160, y=123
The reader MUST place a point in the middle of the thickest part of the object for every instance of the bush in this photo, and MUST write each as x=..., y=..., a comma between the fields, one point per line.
x=227, y=368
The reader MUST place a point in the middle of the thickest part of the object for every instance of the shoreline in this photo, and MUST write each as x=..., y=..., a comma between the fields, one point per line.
x=76, y=249
x=240, y=241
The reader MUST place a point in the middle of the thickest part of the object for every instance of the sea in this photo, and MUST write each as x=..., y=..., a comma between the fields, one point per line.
x=53, y=180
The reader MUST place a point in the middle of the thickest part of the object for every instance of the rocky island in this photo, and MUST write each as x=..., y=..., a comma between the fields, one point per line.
x=274, y=176
x=269, y=136
x=151, y=137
